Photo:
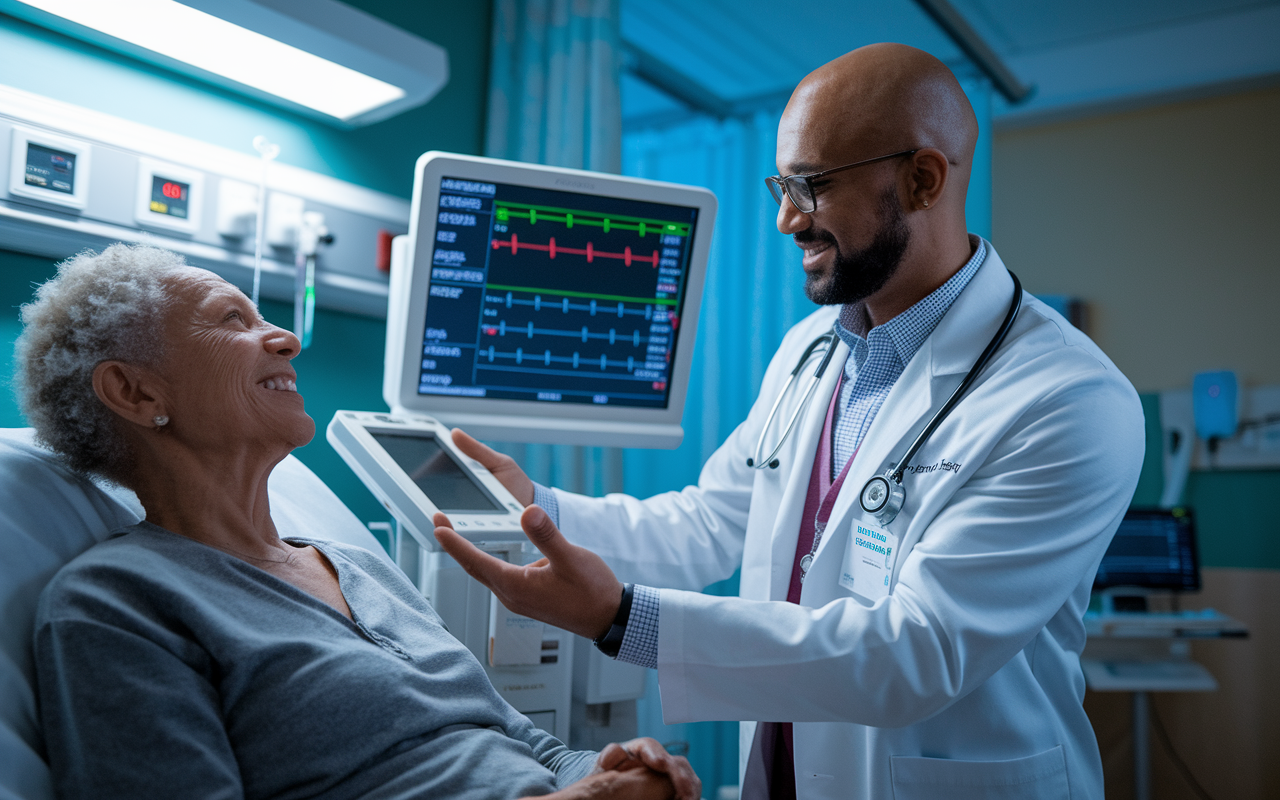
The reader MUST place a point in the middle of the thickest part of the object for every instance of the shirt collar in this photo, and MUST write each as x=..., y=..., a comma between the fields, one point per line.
x=908, y=330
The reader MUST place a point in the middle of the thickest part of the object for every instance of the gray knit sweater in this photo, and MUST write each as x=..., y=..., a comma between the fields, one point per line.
x=170, y=669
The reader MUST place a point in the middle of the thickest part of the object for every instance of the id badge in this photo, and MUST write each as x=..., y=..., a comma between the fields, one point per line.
x=868, y=561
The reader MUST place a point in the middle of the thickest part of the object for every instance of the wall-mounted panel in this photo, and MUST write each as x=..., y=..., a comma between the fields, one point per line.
x=212, y=221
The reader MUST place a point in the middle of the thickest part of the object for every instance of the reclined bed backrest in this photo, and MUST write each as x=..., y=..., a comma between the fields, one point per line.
x=48, y=516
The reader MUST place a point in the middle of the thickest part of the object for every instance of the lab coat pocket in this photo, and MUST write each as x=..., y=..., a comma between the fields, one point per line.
x=1039, y=777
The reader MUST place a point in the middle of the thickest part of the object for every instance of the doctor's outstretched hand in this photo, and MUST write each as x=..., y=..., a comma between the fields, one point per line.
x=569, y=587
x=502, y=467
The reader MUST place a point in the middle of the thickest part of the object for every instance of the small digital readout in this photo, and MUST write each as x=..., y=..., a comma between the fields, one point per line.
x=50, y=169
x=170, y=197
x=442, y=479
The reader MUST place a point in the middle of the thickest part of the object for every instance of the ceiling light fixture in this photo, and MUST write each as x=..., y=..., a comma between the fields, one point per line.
x=274, y=48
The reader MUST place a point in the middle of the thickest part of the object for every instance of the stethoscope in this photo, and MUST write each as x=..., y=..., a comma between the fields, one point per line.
x=883, y=495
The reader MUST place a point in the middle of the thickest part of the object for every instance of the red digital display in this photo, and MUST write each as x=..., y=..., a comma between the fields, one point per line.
x=169, y=197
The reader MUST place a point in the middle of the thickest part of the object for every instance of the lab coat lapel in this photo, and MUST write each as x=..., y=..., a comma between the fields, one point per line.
x=959, y=339
x=910, y=398
x=972, y=320
x=933, y=373
x=799, y=461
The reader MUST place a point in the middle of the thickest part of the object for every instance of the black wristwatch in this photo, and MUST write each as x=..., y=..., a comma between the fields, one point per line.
x=611, y=642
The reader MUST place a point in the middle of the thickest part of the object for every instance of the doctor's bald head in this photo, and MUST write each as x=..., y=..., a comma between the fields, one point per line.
x=903, y=112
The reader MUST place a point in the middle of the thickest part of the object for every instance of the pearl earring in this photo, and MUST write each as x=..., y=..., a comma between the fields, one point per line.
x=926, y=203
x=160, y=420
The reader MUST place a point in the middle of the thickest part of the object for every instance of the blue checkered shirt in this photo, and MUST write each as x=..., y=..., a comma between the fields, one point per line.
x=876, y=361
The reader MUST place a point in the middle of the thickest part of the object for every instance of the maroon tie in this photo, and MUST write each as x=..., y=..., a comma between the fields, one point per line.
x=774, y=739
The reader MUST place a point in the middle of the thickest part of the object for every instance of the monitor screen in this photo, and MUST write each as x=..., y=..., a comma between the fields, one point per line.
x=169, y=197
x=1152, y=549
x=50, y=169
x=442, y=479
x=554, y=296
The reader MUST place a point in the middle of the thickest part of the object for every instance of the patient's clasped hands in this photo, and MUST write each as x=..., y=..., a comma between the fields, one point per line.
x=641, y=769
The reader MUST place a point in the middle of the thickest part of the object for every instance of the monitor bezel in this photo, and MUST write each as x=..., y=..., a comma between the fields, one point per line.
x=413, y=290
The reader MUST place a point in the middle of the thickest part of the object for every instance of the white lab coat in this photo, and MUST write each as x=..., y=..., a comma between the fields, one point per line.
x=965, y=681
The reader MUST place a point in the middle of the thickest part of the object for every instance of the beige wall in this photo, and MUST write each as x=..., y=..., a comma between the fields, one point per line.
x=1166, y=221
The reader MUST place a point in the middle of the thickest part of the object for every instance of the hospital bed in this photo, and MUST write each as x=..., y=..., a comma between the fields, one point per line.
x=48, y=516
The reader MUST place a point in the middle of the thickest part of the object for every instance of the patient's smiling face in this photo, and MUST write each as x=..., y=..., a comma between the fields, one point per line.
x=227, y=372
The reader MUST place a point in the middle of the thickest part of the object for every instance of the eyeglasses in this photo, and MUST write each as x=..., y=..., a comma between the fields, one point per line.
x=800, y=187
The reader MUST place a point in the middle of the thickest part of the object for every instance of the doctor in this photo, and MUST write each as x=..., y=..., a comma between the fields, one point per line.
x=935, y=654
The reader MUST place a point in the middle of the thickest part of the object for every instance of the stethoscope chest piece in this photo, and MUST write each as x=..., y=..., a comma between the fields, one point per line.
x=882, y=497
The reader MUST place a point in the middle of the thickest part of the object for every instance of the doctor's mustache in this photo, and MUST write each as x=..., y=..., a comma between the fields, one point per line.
x=811, y=236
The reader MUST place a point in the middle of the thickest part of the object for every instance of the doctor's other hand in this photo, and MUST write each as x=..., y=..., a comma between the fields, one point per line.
x=569, y=587
x=647, y=752
x=503, y=467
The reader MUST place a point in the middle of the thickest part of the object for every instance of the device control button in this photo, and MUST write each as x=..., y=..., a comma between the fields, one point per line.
x=461, y=524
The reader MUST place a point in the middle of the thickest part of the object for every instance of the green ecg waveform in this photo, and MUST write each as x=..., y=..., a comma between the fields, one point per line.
x=569, y=217
x=617, y=298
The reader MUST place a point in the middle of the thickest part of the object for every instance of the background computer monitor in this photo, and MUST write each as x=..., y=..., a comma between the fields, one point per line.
x=536, y=304
x=1154, y=549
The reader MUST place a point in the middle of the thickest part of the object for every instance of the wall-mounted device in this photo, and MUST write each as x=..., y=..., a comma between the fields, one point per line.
x=1217, y=424
x=539, y=304
x=49, y=168
x=169, y=197
x=79, y=179
x=1215, y=399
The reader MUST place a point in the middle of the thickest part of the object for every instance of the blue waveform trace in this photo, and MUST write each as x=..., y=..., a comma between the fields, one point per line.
x=564, y=306
x=528, y=330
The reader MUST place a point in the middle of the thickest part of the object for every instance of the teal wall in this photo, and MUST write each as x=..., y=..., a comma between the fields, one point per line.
x=343, y=368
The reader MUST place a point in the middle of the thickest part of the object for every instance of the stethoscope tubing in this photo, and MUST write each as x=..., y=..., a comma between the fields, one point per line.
x=896, y=471
x=771, y=461
x=883, y=496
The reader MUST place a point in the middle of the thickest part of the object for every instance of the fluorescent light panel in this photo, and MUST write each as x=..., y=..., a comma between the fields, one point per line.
x=212, y=44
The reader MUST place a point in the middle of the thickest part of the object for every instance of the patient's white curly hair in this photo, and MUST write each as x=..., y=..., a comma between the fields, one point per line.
x=100, y=306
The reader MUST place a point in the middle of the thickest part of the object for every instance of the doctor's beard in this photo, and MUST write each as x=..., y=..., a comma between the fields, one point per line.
x=856, y=276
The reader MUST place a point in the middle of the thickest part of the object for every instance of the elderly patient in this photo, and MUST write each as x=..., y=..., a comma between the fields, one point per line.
x=199, y=655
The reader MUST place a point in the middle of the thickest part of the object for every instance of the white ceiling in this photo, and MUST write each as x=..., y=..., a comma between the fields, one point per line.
x=1080, y=56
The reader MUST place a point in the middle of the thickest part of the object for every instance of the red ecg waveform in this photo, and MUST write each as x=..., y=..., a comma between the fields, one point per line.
x=590, y=252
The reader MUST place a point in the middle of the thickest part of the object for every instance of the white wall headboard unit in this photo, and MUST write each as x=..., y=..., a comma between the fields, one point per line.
x=118, y=163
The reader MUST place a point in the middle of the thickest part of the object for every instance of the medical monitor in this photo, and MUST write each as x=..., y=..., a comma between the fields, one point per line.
x=1153, y=549
x=540, y=304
